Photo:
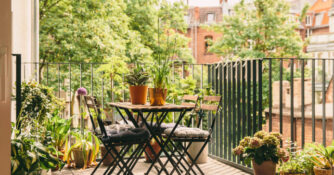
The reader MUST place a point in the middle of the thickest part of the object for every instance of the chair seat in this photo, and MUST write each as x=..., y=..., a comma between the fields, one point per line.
x=115, y=128
x=163, y=127
x=185, y=132
x=134, y=135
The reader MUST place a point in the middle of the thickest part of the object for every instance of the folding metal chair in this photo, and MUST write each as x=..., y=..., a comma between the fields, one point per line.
x=190, y=135
x=113, y=138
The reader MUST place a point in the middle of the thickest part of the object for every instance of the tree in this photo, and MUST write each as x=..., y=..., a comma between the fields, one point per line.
x=262, y=28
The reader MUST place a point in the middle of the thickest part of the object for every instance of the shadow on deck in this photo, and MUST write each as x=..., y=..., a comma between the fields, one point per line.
x=212, y=167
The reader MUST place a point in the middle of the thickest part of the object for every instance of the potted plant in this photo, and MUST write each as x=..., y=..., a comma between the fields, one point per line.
x=162, y=55
x=295, y=163
x=84, y=151
x=262, y=150
x=149, y=156
x=321, y=157
x=137, y=80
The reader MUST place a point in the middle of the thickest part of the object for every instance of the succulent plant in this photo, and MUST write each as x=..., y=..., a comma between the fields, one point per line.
x=137, y=77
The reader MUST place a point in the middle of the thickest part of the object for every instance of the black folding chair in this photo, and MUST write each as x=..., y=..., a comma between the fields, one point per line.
x=112, y=139
x=197, y=135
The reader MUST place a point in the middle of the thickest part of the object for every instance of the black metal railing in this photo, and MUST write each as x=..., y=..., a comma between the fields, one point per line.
x=291, y=96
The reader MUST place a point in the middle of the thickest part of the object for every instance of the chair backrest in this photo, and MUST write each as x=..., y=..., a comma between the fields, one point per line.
x=190, y=100
x=91, y=103
x=210, y=103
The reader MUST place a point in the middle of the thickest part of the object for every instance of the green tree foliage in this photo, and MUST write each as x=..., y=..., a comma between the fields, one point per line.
x=262, y=28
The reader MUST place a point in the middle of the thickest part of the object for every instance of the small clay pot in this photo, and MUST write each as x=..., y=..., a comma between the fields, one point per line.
x=138, y=95
x=266, y=168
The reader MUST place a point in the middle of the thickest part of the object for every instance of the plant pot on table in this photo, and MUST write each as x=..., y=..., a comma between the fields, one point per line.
x=266, y=168
x=138, y=94
x=157, y=96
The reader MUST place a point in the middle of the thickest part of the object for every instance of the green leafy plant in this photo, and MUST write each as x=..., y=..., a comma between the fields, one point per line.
x=137, y=77
x=296, y=161
x=59, y=130
x=262, y=147
x=38, y=101
x=87, y=143
x=321, y=157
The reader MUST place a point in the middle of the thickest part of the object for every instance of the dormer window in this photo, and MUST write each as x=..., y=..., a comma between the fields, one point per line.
x=318, y=19
x=308, y=20
x=210, y=17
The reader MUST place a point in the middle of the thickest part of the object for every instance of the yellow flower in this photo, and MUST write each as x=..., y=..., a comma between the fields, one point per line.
x=260, y=134
x=271, y=140
x=245, y=142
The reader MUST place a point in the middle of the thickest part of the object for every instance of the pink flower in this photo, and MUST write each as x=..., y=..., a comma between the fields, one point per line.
x=238, y=150
x=255, y=142
x=82, y=91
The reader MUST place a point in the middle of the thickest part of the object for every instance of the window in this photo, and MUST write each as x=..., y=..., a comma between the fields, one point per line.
x=210, y=17
x=308, y=33
x=318, y=19
x=208, y=40
x=308, y=20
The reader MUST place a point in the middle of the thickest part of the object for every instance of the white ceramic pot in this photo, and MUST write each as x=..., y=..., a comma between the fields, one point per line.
x=194, y=149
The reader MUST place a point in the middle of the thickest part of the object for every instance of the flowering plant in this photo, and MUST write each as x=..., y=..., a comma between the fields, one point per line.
x=262, y=147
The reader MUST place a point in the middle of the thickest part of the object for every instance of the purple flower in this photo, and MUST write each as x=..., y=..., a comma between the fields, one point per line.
x=82, y=91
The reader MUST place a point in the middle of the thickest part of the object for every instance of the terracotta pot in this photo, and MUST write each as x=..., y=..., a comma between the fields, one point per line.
x=138, y=95
x=79, y=159
x=108, y=160
x=148, y=153
x=157, y=96
x=266, y=168
x=320, y=171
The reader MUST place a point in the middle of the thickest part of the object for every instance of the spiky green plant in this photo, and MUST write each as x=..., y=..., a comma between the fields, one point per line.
x=137, y=77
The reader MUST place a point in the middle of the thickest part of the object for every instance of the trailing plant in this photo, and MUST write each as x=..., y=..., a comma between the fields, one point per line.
x=137, y=77
x=89, y=145
x=38, y=101
x=262, y=147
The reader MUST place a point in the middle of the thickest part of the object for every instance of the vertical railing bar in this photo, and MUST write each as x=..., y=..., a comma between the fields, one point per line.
x=238, y=106
x=260, y=93
x=270, y=97
x=123, y=78
x=281, y=97
x=233, y=107
x=249, y=114
x=221, y=112
x=213, y=85
x=229, y=112
x=216, y=115
x=313, y=100
x=80, y=74
x=324, y=102
x=91, y=80
x=193, y=71
x=333, y=99
x=58, y=80
x=70, y=70
x=254, y=97
x=303, y=101
x=225, y=110
x=183, y=70
x=102, y=94
x=244, y=122
x=292, y=101
x=201, y=76
x=173, y=72
x=209, y=116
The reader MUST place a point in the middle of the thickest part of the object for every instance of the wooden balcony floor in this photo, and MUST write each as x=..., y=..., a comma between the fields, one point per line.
x=212, y=167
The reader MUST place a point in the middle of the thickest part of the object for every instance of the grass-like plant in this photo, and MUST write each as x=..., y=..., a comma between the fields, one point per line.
x=321, y=157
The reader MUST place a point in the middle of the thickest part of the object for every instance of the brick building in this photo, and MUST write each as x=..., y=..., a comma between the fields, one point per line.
x=196, y=18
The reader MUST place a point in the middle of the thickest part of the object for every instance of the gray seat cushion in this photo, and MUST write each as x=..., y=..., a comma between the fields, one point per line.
x=131, y=135
x=184, y=132
x=115, y=128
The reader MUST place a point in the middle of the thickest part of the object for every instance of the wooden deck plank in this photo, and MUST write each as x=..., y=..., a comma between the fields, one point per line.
x=212, y=167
